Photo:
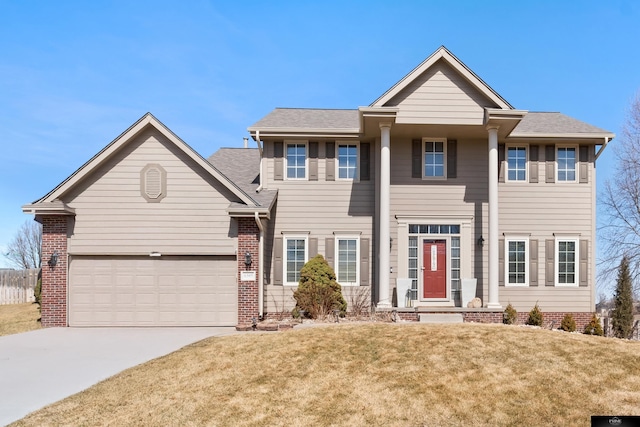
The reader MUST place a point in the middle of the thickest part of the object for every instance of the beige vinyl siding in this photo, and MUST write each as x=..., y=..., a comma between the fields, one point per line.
x=535, y=209
x=319, y=208
x=112, y=217
x=440, y=96
x=463, y=196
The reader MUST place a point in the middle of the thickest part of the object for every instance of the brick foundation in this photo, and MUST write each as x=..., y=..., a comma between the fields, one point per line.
x=248, y=241
x=54, y=279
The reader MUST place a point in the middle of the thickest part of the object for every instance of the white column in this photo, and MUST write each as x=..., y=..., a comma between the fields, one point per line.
x=494, y=301
x=383, y=234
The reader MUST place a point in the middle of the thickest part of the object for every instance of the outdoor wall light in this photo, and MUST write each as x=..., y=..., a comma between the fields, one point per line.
x=481, y=241
x=247, y=259
x=53, y=260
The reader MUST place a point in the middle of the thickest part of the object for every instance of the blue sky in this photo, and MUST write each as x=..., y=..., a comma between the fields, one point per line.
x=75, y=74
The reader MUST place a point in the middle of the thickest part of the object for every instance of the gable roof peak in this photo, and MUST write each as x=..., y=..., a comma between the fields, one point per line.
x=442, y=53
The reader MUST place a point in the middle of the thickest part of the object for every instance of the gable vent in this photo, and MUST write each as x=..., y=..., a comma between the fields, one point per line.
x=153, y=182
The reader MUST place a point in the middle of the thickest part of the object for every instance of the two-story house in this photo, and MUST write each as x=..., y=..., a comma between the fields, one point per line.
x=437, y=192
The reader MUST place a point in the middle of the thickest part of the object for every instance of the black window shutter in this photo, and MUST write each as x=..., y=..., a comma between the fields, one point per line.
x=313, y=161
x=452, y=158
x=550, y=163
x=584, y=164
x=501, y=162
x=365, y=161
x=533, y=163
x=416, y=158
x=278, y=162
x=331, y=161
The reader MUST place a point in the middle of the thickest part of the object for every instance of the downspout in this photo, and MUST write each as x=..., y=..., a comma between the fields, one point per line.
x=606, y=141
x=260, y=266
x=260, y=151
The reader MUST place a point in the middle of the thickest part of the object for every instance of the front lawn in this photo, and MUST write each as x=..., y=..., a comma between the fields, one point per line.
x=370, y=375
x=16, y=318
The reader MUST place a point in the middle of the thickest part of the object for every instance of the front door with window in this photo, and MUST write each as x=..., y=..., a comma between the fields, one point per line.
x=434, y=269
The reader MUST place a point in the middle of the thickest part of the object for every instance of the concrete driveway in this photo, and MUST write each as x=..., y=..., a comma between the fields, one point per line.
x=40, y=367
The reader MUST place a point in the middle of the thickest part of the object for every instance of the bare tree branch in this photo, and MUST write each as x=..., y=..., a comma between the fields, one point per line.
x=25, y=249
x=620, y=203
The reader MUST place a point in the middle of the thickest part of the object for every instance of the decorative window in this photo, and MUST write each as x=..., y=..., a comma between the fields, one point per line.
x=347, y=254
x=566, y=160
x=295, y=255
x=296, y=160
x=347, y=161
x=516, y=163
x=153, y=182
x=517, y=265
x=566, y=262
x=434, y=158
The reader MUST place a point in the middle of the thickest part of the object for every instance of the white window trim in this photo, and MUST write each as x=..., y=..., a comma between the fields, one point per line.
x=337, y=162
x=526, y=164
x=285, y=238
x=524, y=239
x=336, y=257
x=306, y=160
x=444, y=150
x=576, y=165
x=576, y=261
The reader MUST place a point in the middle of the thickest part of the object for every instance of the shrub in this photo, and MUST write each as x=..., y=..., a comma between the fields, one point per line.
x=536, y=318
x=318, y=292
x=594, y=327
x=622, y=315
x=510, y=316
x=568, y=324
x=37, y=292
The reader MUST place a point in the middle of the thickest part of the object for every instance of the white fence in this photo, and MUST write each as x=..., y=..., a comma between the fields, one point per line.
x=17, y=286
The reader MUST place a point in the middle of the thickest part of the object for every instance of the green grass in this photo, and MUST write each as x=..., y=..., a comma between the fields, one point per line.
x=370, y=375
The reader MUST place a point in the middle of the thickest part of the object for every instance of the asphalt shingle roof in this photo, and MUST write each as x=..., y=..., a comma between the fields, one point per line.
x=553, y=123
x=242, y=167
x=309, y=118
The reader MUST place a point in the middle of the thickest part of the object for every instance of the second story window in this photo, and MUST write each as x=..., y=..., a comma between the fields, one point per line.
x=566, y=164
x=434, y=158
x=516, y=163
x=347, y=161
x=296, y=161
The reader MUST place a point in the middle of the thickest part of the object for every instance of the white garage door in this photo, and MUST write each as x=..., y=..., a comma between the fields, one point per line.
x=167, y=291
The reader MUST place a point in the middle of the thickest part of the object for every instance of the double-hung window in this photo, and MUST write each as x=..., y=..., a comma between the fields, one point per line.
x=435, y=157
x=296, y=160
x=517, y=265
x=295, y=255
x=516, y=163
x=566, y=261
x=347, y=161
x=566, y=164
x=347, y=254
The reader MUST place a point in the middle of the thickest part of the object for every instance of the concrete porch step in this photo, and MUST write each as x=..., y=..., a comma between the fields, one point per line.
x=441, y=318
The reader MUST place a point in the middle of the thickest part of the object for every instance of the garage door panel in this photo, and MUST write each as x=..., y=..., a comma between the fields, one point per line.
x=127, y=291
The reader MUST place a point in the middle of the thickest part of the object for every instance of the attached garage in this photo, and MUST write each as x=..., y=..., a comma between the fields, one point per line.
x=150, y=291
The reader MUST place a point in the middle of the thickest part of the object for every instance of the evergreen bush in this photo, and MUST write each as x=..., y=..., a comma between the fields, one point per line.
x=536, y=318
x=510, y=316
x=37, y=292
x=568, y=324
x=318, y=292
x=594, y=327
x=622, y=315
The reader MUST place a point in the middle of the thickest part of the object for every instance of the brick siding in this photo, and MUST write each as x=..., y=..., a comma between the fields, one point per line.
x=248, y=241
x=54, y=279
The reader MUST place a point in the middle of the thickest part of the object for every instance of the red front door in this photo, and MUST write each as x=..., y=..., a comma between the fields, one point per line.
x=434, y=272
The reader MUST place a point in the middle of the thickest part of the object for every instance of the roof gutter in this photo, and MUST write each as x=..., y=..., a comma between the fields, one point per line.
x=606, y=141
x=260, y=266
